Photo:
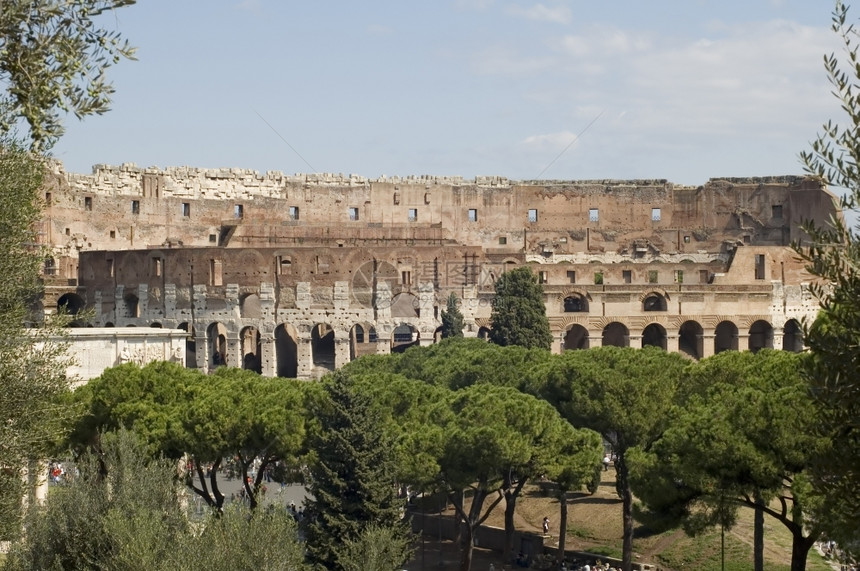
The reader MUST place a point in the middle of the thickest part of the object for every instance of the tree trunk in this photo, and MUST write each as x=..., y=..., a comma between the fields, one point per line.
x=468, y=547
x=457, y=500
x=800, y=547
x=213, y=483
x=622, y=485
x=562, y=525
x=512, y=493
x=758, y=534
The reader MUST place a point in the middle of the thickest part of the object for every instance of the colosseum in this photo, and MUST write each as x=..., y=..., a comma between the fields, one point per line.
x=296, y=275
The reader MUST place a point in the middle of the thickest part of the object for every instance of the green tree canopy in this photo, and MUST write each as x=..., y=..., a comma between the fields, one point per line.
x=622, y=393
x=832, y=253
x=54, y=55
x=519, y=313
x=743, y=435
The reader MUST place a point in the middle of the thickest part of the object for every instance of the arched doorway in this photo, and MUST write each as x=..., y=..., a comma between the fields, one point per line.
x=575, y=338
x=654, y=336
x=403, y=337
x=322, y=346
x=71, y=304
x=251, y=358
x=690, y=339
x=792, y=337
x=190, y=346
x=286, y=351
x=761, y=336
x=616, y=335
x=216, y=333
x=575, y=304
x=725, y=337
x=654, y=302
x=483, y=333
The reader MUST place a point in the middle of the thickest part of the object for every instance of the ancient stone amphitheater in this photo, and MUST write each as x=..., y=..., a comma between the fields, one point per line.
x=296, y=275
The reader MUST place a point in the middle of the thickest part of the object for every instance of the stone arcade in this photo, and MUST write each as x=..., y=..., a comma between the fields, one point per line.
x=297, y=275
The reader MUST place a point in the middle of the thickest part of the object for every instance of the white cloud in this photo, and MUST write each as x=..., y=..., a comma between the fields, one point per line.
x=550, y=140
x=541, y=13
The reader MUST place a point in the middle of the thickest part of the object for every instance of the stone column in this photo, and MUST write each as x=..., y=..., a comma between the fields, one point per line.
x=595, y=340
x=634, y=341
x=268, y=362
x=743, y=341
x=234, y=349
x=143, y=303
x=708, y=340
x=304, y=353
x=673, y=342
x=341, y=349
x=778, y=337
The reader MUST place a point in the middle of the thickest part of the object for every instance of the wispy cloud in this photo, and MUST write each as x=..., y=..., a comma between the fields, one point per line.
x=542, y=13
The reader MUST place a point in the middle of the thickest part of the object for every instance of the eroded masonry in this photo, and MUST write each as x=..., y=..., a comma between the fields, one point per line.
x=296, y=275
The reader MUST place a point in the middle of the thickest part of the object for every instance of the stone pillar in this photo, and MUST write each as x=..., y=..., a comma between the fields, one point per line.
x=203, y=349
x=143, y=302
x=778, y=337
x=634, y=341
x=673, y=342
x=169, y=300
x=303, y=296
x=304, y=354
x=595, y=340
x=341, y=349
x=341, y=296
x=743, y=341
x=267, y=302
x=234, y=349
x=268, y=362
x=118, y=304
x=708, y=340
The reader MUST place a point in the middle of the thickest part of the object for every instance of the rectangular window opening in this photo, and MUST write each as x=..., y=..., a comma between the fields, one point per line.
x=704, y=276
x=652, y=276
x=353, y=213
x=571, y=276
x=294, y=212
x=503, y=240
x=533, y=215
x=679, y=276
x=686, y=239
x=413, y=215
x=627, y=276
x=473, y=215
x=542, y=277
x=215, y=277
x=598, y=278
x=156, y=267
x=186, y=209
x=593, y=215
x=759, y=266
x=88, y=203
x=238, y=211
x=655, y=215
x=406, y=278
x=776, y=211
x=213, y=238
x=113, y=234
x=135, y=207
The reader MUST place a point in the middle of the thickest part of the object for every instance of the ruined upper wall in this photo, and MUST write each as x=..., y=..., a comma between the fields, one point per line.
x=128, y=207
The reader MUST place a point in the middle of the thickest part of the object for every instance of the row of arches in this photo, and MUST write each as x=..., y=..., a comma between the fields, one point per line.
x=691, y=338
x=363, y=339
x=578, y=302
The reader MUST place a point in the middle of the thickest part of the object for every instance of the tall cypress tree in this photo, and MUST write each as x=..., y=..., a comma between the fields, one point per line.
x=353, y=476
x=519, y=313
x=452, y=318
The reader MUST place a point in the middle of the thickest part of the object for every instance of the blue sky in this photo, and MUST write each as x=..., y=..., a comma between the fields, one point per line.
x=683, y=90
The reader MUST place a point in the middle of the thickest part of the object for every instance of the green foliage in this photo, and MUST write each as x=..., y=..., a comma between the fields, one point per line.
x=519, y=313
x=452, y=318
x=178, y=411
x=377, y=548
x=32, y=360
x=121, y=512
x=239, y=540
x=832, y=253
x=53, y=59
x=744, y=429
x=353, y=474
